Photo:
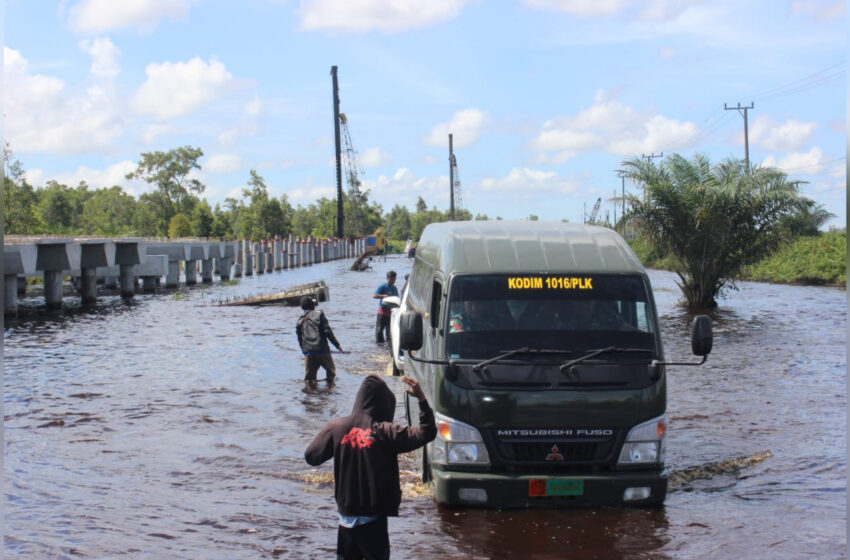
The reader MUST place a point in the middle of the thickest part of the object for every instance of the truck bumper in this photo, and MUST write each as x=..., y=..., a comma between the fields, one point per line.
x=514, y=491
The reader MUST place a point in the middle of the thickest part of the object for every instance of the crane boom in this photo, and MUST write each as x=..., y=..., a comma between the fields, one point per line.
x=595, y=211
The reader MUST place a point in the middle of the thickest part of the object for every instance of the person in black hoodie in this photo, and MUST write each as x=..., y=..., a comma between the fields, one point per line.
x=313, y=332
x=365, y=447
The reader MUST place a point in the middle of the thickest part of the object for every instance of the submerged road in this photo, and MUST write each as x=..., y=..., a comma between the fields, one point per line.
x=172, y=428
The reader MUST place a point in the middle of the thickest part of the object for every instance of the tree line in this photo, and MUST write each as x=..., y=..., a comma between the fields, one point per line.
x=709, y=220
x=175, y=207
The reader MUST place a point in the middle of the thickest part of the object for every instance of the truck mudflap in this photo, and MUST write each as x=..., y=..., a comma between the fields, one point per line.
x=484, y=490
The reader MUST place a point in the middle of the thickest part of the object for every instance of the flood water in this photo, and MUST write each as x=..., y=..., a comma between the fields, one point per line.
x=173, y=428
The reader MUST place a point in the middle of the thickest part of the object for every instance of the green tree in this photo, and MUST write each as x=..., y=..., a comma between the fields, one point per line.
x=170, y=171
x=19, y=198
x=202, y=220
x=423, y=217
x=154, y=214
x=56, y=207
x=713, y=219
x=807, y=220
x=305, y=220
x=361, y=217
x=109, y=212
x=222, y=226
x=398, y=223
x=180, y=226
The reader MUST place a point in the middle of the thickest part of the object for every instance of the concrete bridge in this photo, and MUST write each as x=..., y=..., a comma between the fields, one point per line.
x=122, y=262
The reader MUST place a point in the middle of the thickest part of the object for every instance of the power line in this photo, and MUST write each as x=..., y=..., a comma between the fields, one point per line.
x=816, y=165
x=820, y=77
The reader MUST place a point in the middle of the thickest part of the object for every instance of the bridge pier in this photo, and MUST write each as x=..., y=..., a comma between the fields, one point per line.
x=53, y=289
x=224, y=266
x=126, y=280
x=88, y=285
x=191, y=272
x=10, y=294
x=206, y=271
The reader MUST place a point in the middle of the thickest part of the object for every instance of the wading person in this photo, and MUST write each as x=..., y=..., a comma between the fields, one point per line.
x=365, y=447
x=313, y=333
x=382, y=325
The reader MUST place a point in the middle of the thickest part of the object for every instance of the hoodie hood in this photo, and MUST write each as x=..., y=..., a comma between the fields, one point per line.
x=375, y=400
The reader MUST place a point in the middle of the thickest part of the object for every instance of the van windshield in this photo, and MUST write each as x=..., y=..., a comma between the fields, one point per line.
x=488, y=314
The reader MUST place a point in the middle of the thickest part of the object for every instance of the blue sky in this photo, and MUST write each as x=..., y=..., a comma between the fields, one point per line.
x=544, y=98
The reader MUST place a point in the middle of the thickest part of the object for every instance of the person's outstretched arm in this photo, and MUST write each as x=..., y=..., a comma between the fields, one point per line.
x=328, y=332
x=321, y=449
x=408, y=438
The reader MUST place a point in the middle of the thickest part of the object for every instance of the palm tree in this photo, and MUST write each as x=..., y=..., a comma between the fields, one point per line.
x=713, y=219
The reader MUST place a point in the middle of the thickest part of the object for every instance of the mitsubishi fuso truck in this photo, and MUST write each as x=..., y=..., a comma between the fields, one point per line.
x=538, y=346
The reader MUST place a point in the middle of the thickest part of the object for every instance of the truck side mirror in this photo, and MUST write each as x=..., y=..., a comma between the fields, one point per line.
x=410, y=330
x=701, y=337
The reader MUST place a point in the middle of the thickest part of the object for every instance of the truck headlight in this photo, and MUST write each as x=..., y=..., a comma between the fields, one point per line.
x=645, y=443
x=457, y=444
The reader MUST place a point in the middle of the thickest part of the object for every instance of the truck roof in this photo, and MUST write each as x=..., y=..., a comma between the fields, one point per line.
x=525, y=246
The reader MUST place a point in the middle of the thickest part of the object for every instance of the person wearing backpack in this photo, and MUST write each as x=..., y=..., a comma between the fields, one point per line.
x=314, y=332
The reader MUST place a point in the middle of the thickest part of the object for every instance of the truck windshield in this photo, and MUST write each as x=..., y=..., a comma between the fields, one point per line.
x=489, y=314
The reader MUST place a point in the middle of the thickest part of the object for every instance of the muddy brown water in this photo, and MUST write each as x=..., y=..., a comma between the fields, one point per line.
x=172, y=428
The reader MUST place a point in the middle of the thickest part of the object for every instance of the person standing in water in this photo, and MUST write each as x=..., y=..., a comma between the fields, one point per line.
x=314, y=332
x=382, y=325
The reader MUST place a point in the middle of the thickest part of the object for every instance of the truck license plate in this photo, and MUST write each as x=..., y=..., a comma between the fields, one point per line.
x=556, y=487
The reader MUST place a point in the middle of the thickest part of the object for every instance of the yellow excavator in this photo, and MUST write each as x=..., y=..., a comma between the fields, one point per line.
x=376, y=244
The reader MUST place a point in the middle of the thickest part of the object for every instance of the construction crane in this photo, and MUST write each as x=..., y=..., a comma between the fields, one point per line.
x=592, y=218
x=455, y=198
x=354, y=176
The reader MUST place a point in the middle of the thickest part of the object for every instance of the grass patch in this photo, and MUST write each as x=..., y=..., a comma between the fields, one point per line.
x=817, y=260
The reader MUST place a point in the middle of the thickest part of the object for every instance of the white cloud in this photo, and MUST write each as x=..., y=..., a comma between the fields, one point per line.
x=667, y=53
x=790, y=135
x=106, y=178
x=388, y=16
x=798, y=163
x=528, y=181
x=173, y=89
x=404, y=187
x=610, y=126
x=42, y=116
x=584, y=8
x=374, y=157
x=104, y=57
x=465, y=126
x=154, y=131
x=309, y=195
x=99, y=16
x=665, y=10
x=819, y=9
x=249, y=123
x=223, y=163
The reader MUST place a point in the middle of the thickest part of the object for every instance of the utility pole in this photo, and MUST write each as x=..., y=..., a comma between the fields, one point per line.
x=339, y=218
x=743, y=112
x=623, y=177
x=451, y=181
x=648, y=158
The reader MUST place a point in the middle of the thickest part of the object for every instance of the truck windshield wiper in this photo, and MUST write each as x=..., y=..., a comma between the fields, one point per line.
x=510, y=353
x=593, y=353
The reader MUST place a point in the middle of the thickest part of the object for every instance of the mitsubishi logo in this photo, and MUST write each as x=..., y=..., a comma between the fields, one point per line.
x=554, y=454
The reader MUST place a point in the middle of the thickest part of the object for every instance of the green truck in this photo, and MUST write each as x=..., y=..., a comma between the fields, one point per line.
x=538, y=346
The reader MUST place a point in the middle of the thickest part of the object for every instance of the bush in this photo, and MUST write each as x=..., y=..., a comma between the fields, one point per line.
x=179, y=226
x=818, y=259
